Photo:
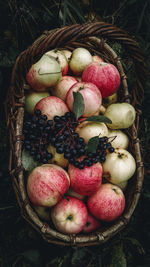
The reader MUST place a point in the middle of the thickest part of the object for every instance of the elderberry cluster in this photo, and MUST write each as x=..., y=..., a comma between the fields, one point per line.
x=37, y=132
x=60, y=132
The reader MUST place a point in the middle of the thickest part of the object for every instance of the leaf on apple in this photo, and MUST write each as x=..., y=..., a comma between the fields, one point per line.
x=78, y=104
x=28, y=162
x=92, y=144
x=99, y=118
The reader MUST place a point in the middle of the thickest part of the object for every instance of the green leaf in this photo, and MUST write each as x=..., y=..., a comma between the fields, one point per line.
x=118, y=257
x=92, y=144
x=78, y=104
x=28, y=162
x=99, y=118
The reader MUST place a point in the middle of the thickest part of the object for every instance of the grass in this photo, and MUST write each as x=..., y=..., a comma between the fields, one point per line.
x=22, y=22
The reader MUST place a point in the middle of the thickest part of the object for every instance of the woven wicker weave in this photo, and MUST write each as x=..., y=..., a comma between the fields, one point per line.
x=95, y=37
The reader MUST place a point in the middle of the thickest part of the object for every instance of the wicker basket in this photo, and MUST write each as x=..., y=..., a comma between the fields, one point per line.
x=95, y=37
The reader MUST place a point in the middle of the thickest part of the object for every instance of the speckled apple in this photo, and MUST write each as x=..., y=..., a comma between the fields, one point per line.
x=63, y=86
x=104, y=75
x=107, y=203
x=85, y=181
x=91, y=96
x=69, y=215
x=92, y=224
x=52, y=106
x=47, y=184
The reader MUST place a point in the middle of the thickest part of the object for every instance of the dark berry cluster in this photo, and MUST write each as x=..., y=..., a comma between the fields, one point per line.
x=37, y=131
x=60, y=132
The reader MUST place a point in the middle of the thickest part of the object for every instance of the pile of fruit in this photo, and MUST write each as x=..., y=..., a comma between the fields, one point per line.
x=75, y=148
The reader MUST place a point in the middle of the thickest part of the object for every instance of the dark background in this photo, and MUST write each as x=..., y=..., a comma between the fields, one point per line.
x=21, y=22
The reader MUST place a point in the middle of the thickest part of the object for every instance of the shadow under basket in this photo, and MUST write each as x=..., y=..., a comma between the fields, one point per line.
x=113, y=45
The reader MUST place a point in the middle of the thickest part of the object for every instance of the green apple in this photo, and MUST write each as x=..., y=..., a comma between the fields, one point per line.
x=32, y=98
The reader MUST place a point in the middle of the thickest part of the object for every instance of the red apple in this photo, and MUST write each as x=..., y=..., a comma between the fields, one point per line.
x=85, y=181
x=69, y=215
x=52, y=106
x=91, y=96
x=104, y=75
x=91, y=225
x=44, y=73
x=60, y=58
x=63, y=86
x=107, y=203
x=47, y=184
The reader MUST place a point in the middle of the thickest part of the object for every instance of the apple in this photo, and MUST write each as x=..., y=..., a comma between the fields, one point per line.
x=80, y=59
x=110, y=100
x=32, y=98
x=72, y=193
x=67, y=54
x=104, y=75
x=89, y=129
x=62, y=87
x=57, y=158
x=60, y=58
x=70, y=215
x=97, y=59
x=118, y=138
x=45, y=73
x=47, y=184
x=91, y=97
x=119, y=166
x=107, y=203
x=43, y=212
x=85, y=181
x=122, y=115
x=52, y=106
x=91, y=225
x=123, y=185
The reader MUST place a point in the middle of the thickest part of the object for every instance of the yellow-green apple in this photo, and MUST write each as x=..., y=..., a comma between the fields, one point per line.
x=47, y=184
x=62, y=87
x=119, y=166
x=91, y=225
x=43, y=212
x=85, y=181
x=91, y=96
x=45, y=73
x=104, y=75
x=32, y=98
x=57, y=158
x=107, y=203
x=122, y=115
x=97, y=59
x=89, y=129
x=69, y=215
x=60, y=58
x=67, y=54
x=72, y=193
x=110, y=99
x=52, y=106
x=118, y=138
x=80, y=58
